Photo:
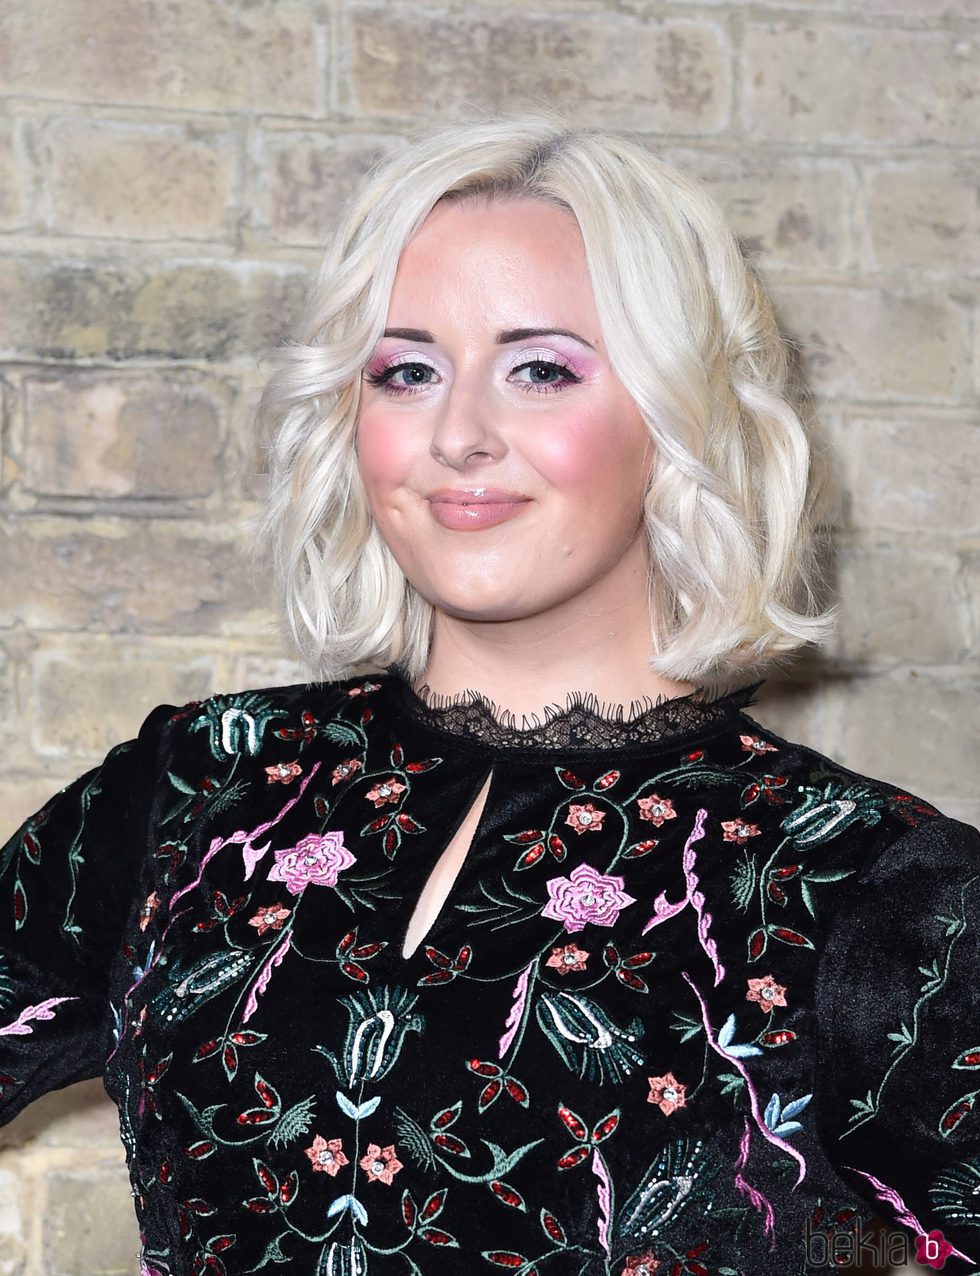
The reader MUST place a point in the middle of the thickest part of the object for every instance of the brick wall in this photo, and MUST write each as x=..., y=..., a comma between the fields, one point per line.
x=166, y=174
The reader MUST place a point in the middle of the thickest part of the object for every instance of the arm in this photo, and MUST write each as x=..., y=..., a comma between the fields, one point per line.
x=898, y=1054
x=68, y=880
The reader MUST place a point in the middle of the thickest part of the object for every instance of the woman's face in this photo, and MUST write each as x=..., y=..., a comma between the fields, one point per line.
x=492, y=381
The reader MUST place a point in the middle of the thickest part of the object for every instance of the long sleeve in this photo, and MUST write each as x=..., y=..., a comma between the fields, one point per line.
x=898, y=1059
x=69, y=878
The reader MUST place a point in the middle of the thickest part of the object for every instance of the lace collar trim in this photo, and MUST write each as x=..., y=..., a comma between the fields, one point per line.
x=581, y=723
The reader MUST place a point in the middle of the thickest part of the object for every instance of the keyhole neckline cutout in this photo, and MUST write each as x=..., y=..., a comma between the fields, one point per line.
x=433, y=898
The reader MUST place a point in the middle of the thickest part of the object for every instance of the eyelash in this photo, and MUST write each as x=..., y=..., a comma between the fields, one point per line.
x=382, y=380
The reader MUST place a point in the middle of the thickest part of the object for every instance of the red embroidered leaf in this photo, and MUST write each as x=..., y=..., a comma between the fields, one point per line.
x=409, y=1210
x=397, y=754
x=574, y=1157
x=956, y=1113
x=438, y=977
x=229, y=1058
x=355, y=972
x=221, y=904
x=968, y=1059
x=639, y=848
x=434, y=1204
x=157, y=1070
x=781, y=1037
x=202, y=1208
x=788, y=936
x=516, y=1091
x=320, y=807
x=367, y=715
x=407, y=824
x=166, y=1172
x=437, y=958
x=427, y=765
x=504, y=1192
x=632, y=981
x=367, y=951
x=390, y=842
x=552, y=1228
x=757, y=944
x=569, y=778
x=198, y=1151
x=776, y=893
x=436, y=1236
x=530, y=856
x=207, y=925
x=259, y=1205
x=557, y=847
x=608, y=780
x=504, y=1258
x=605, y=1127
x=573, y=1122
x=483, y=1068
x=247, y=1038
x=266, y=1093
x=489, y=1092
x=522, y=839
x=447, y=1117
x=376, y=825
x=788, y=870
x=206, y=1050
x=449, y=1143
x=218, y=1244
x=610, y=955
x=289, y=1188
x=265, y=1177
x=639, y=959
x=347, y=942
x=463, y=958
x=31, y=847
x=255, y=1116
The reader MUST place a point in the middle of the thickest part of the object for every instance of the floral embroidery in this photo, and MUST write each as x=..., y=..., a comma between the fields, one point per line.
x=316, y=860
x=327, y=1155
x=656, y=809
x=380, y=1164
x=148, y=911
x=567, y=958
x=586, y=896
x=754, y=744
x=641, y=1265
x=667, y=1093
x=584, y=817
x=739, y=831
x=386, y=792
x=344, y=770
x=766, y=992
x=269, y=918
x=283, y=772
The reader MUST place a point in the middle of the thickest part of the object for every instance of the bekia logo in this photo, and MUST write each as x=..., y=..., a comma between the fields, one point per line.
x=932, y=1249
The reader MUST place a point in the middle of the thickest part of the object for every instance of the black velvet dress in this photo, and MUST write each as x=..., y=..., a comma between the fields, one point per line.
x=699, y=1000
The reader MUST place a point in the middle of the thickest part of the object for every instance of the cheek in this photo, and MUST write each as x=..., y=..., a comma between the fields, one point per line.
x=597, y=449
x=382, y=453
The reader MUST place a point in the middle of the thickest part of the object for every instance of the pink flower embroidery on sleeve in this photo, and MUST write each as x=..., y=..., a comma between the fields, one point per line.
x=586, y=896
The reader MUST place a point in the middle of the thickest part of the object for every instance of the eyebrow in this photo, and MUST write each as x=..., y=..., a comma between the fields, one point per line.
x=504, y=338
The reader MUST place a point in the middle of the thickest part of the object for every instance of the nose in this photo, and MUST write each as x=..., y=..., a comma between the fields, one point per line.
x=465, y=431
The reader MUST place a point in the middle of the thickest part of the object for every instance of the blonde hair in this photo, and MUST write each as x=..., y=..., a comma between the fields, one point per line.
x=689, y=332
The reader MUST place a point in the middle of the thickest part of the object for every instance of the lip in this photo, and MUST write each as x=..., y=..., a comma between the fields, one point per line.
x=475, y=508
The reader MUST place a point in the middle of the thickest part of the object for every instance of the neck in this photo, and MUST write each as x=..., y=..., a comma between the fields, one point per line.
x=597, y=642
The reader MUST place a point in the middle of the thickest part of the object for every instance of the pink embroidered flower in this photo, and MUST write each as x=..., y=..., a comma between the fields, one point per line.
x=269, y=918
x=149, y=909
x=316, y=860
x=766, y=992
x=641, y=1264
x=327, y=1156
x=344, y=770
x=584, y=816
x=586, y=896
x=739, y=831
x=569, y=957
x=380, y=1164
x=364, y=688
x=386, y=792
x=656, y=809
x=753, y=744
x=283, y=772
x=667, y=1093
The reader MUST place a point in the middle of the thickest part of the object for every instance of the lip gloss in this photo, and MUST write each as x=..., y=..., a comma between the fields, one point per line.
x=475, y=517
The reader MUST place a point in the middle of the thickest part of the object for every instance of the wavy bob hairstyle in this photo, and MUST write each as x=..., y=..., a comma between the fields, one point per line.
x=691, y=335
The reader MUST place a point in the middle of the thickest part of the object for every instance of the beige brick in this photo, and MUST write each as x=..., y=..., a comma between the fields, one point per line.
x=912, y=474
x=12, y=1223
x=88, y=697
x=925, y=214
x=972, y=590
x=917, y=732
x=794, y=211
x=119, y=576
x=100, y=434
x=79, y=1116
x=13, y=209
x=89, y=1223
x=304, y=178
x=834, y=82
x=657, y=75
x=210, y=311
x=187, y=54
x=8, y=697
x=867, y=344
x=140, y=181
x=885, y=590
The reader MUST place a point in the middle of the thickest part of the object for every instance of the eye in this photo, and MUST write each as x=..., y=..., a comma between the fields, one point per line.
x=417, y=377
x=544, y=376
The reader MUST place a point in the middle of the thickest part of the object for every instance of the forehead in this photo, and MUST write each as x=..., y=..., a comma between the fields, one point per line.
x=508, y=252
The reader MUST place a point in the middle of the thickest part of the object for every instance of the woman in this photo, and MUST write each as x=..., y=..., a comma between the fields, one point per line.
x=387, y=974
